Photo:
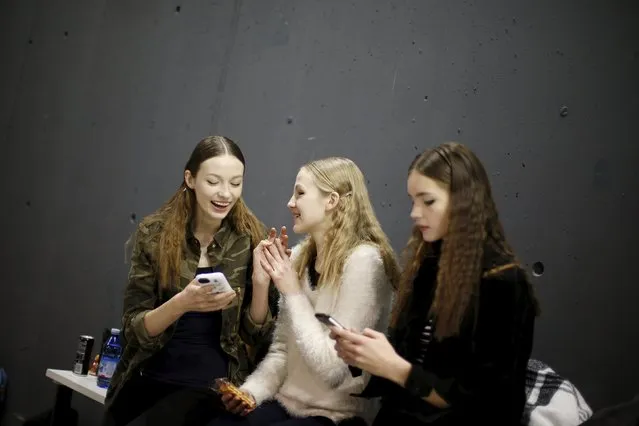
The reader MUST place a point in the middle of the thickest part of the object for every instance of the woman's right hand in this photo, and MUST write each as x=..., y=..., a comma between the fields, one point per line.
x=235, y=405
x=197, y=298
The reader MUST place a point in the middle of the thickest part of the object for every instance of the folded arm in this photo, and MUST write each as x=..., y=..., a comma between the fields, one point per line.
x=266, y=380
x=363, y=291
x=143, y=322
x=502, y=342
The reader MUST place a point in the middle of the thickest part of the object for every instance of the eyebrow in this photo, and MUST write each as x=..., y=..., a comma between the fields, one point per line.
x=424, y=194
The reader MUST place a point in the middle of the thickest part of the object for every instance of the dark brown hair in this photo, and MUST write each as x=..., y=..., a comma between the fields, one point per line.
x=177, y=212
x=473, y=225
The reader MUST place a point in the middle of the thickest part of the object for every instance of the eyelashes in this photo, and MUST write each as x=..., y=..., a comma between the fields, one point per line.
x=235, y=185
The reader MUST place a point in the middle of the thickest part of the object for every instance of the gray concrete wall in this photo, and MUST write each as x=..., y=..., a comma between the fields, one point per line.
x=102, y=101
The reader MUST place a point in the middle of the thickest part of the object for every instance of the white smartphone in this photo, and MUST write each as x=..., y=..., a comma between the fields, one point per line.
x=216, y=280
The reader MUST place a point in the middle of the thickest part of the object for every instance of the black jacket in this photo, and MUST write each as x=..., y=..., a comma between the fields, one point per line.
x=480, y=372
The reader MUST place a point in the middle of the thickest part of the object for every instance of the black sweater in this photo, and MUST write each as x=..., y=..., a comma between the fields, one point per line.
x=480, y=372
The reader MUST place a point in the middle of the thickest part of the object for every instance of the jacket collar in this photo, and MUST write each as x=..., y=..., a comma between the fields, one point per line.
x=220, y=238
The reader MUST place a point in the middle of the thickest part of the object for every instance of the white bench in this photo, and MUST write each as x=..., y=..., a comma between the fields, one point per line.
x=68, y=382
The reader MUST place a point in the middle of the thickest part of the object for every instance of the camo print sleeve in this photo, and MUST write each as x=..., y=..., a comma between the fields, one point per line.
x=251, y=333
x=140, y=295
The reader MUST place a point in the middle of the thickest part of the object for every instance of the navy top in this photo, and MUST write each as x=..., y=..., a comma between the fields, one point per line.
x=193, y=357
x=313, y=274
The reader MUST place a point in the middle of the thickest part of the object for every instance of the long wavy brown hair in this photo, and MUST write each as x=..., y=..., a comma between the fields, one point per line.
x=474, y=225
x=176, y=213
x=353, y=222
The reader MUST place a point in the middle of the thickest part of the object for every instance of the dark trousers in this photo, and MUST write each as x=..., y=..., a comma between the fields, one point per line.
x=388, y=415
x=162, y=404
x=270, y=414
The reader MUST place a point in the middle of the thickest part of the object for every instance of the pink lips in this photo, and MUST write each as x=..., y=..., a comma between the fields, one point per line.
x=220, y=208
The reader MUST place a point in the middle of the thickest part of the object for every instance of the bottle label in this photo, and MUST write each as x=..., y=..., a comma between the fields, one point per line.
x=107, y=367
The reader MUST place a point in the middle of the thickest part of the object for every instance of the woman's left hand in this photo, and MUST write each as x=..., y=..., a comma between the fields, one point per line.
x=371, y=351
x=278, y=265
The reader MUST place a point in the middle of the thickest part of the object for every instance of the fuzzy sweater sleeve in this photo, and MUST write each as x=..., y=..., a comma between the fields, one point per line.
x=270, y=374
x=267, y=379
x=363, y=290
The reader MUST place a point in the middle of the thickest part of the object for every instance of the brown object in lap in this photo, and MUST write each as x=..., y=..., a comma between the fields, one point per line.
x=224, y=386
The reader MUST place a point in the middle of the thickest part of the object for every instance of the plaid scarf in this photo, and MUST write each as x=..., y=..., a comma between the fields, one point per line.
x=551, y=399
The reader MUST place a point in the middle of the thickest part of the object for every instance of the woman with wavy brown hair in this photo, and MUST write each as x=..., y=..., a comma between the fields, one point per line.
x=178, y=336
x=462, y=327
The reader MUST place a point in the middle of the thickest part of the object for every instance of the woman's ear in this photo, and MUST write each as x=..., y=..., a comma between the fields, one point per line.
x=332, y=201
x=189, y=179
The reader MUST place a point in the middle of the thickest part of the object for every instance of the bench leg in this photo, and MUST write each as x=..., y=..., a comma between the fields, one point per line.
x=62, y=408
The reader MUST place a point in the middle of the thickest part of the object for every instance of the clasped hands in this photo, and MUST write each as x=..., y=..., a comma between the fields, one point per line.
x=271, y=262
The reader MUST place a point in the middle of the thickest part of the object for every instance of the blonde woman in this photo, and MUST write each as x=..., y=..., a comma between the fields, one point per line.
x=344, y=268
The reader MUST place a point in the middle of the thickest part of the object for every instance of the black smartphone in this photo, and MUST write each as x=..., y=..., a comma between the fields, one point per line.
x=329, y=321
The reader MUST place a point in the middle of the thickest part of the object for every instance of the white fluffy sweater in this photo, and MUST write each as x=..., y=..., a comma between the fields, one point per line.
x=302, y=370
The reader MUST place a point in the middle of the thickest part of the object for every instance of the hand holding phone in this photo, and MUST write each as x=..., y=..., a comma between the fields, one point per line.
x=198, y=298
x=217, y=281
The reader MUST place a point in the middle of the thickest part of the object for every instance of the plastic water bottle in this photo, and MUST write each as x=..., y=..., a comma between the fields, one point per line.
x=110, y=358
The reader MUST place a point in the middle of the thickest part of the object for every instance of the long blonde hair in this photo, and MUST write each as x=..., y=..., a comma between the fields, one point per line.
x=353, y=222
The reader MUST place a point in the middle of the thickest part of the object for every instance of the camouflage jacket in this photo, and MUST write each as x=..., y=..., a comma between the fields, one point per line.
x=232, y=254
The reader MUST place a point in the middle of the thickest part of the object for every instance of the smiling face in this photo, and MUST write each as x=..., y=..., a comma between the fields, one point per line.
x=431, y=200
x=309, y=205
x=217, y=186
